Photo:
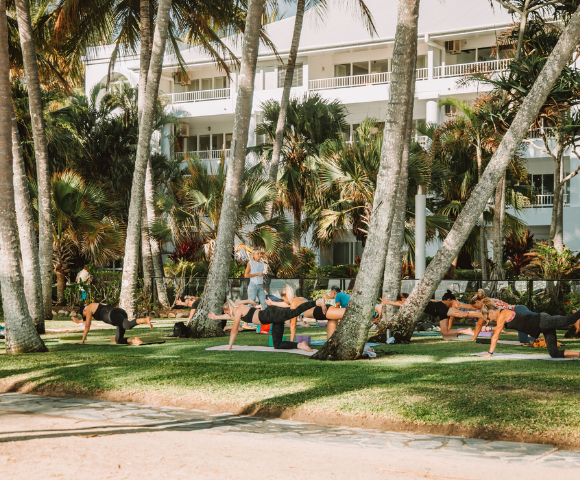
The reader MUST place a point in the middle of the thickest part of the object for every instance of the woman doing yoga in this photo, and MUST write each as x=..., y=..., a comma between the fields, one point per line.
x=447, y=307
x=276, y=316
x=476, y=303
x=289, y=300
x=113, y=316
x=532, y=325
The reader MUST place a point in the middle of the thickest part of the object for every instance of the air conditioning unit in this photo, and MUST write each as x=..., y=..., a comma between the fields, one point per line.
x=183, y=130
x=453, y=46
x=181, y=78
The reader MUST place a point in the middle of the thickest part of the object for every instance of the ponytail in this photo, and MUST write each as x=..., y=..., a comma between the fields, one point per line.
x=480, y=295
x=448, y=295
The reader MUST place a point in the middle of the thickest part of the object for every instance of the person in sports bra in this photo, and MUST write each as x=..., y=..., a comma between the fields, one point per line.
x=289, y=300
x=113, y=316
x=532, y=325
x=277, y=316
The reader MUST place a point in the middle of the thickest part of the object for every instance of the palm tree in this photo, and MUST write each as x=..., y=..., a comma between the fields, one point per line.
x=347, y=342
x=215, y=288
x=506, y=150
x=41, y=152
x=21, y=335
x=310, y=121
x=84, y=224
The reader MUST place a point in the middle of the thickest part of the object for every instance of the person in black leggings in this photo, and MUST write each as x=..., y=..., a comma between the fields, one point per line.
x=276, y=316
x=532, y=324
x=113, y=316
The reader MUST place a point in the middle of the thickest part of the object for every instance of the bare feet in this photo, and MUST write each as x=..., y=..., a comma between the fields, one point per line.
x=577, y=325
x=303, y=324
x=304, y=346
x=134, y=341
x=148, y=321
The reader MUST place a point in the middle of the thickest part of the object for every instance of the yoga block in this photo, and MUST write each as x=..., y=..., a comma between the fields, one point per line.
x=303, y=338
x=271, y=344
x=263, y=329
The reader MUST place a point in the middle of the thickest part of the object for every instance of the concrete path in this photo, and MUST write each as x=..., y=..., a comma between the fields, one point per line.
x=83, y=438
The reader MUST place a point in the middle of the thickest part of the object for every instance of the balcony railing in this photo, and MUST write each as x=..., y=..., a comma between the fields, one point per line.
x=205, y=154
x=491, y=66
x=538, y=133
x=422, y=140
x=198, y=96
x=547, y=201
x=350, y=81
x=422, y=74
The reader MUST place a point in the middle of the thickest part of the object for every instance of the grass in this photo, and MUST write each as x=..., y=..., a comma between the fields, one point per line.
x=432, y=382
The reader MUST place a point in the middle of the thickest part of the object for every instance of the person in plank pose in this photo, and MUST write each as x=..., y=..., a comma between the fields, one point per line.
x=276, y=316
x=113, y=316
x=531, y=324
x=289, y=300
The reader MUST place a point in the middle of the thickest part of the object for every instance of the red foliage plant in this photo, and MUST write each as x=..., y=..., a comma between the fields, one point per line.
x=190, y=249
x=515, y=249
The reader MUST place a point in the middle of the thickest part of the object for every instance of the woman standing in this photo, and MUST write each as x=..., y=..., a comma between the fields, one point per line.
x=255, y=272
x=530, y=324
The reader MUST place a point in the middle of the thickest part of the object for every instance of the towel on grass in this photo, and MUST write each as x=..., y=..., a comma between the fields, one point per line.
x=101, y=342
x=258, y=348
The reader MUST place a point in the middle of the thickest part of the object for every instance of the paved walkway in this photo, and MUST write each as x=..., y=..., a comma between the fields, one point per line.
x=95, y=418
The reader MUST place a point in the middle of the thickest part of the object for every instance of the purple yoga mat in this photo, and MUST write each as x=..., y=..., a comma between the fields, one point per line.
x=485, y=334
x=303, y=338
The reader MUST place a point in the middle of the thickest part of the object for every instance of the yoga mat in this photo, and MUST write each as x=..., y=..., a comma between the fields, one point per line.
x=256, y=348
x=427, y=334
x=521, y=356
x=90, y=341
x=487, y=341
x=322, y=342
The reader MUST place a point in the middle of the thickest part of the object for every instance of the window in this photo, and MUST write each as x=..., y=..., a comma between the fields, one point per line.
x=204, y=142
x=346, y=133
x=344, y=253
x=379, y=66
x=297, y=80
x=192, y=143
x=484, y=55
x=421, y=61
x=220, y=82
x=206, y=83
x=466, y=56
x=342, y=70
x=270, y=78
x=543, y=183
x=228, y=143
x=179, y=144
x=217, y=141
x=360, y=68
x=194, y=85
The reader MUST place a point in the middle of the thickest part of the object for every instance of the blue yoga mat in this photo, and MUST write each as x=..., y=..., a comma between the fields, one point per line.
x=322, y=342
x=427, y=334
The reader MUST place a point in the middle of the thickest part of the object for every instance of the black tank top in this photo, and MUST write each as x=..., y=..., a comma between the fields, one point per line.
x=102, y=313
x=437, y=309
x=526, y=323
x=249, y=317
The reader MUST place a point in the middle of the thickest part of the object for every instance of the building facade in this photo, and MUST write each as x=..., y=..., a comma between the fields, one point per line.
x=339, y=59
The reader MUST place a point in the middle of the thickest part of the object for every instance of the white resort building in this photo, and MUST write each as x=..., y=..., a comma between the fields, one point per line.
x=339, y=59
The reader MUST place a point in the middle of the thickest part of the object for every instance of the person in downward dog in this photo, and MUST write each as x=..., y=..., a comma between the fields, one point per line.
x=113, y=316
x=277, y=316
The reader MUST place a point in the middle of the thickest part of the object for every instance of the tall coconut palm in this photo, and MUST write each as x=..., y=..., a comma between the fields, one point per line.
x=130, y=265
x=27, y=233
x=506, y=150
x=40, y=150
x=215, y=287
x=310, y=121
x=349, y=338
x=21, y=334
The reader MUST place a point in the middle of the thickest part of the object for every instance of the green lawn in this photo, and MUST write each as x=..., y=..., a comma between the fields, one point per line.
x=431, y=382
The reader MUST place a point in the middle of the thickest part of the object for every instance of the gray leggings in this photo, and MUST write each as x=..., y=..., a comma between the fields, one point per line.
x=548, y=326
x=118, y=317
x=522, y=336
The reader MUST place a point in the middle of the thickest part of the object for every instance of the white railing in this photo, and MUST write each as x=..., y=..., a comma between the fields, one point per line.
x=547, y=201
x=422, y=74
x=540, y=132
x=198, y=96
x=205, y=154
x=350, y=81
x=461, y=69
x=422, y=140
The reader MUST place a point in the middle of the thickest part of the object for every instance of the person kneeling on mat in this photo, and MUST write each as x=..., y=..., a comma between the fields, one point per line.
x=276, y=316
x=113, y=316
x=532, y=325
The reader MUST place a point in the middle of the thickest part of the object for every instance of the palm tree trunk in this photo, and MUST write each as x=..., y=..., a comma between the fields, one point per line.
x=495, y=170
x=482, y=236
x=21, y=336
x=147, y=260
x=394, y=262
x=558, y=207
x=144, y=50
x=155, y=250
x=499, y=230
x=131, y=259
x=277, y=148
x=27, y=233
x=296, y=212
x=40, y=152
x=347, y=342
x=215, y=287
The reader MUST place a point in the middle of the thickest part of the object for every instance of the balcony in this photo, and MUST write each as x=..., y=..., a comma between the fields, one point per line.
x=422, y=140
x=541, y=201
x=538, y=133
x=204, y=155
x=491, y=66
x=349, y=81
x=197, y=96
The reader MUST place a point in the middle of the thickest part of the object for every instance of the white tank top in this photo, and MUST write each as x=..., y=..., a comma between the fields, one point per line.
x=256, y=267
